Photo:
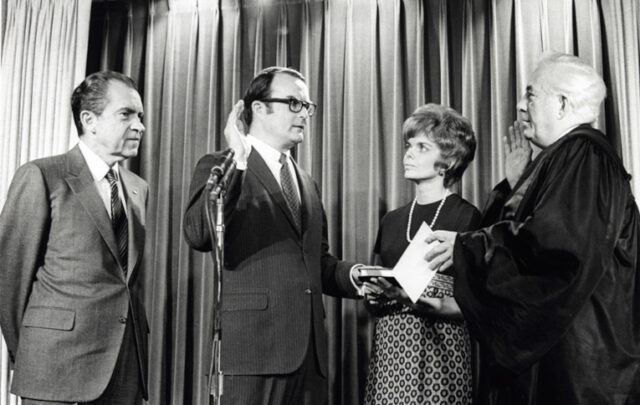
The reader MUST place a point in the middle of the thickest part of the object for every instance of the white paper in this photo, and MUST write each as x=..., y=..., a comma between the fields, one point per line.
x=412, y=270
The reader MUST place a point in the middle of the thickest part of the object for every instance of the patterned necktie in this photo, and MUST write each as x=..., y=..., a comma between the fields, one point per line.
x=119, y=220
x=289, y=191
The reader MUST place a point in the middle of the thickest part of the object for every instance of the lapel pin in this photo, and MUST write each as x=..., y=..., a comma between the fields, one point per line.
x=134, y=191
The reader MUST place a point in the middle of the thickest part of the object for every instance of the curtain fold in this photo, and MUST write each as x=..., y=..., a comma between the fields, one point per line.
x=368, y=64
x=621, y=21
x=357, y=169
x=502, y=90
x=476, y=95
x=43, y=52
x=311, y=49
x=399, y=55
x=43, y=60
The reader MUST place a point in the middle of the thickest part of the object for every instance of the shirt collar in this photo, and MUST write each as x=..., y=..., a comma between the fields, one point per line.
x=97, y=166
x=267, y=152
x=570, y=129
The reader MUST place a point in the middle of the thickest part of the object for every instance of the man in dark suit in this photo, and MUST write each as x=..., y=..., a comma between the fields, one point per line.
x=71, y=240
x=277, y=264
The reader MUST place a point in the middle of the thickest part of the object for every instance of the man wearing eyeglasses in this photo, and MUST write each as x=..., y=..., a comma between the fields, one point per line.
x=277, y=263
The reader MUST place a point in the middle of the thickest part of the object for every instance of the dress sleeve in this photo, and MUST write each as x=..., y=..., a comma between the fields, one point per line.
x=494, y=204
x=520, y=282
x=376, y=247
x=469, y=219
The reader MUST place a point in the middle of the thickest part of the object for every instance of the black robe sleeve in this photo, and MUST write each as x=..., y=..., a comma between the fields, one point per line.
x=521, y=282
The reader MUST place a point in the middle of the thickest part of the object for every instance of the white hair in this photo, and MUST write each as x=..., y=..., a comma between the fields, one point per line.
x=572, y=77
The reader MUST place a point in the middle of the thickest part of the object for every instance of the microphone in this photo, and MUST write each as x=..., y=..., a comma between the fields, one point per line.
x=218, y=171
x=225, y=178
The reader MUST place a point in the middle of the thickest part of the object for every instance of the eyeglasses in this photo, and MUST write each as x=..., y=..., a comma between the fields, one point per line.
x=295, y=105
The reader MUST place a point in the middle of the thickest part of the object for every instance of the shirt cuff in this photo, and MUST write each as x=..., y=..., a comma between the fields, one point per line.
x=354, y=279
x=241, y=165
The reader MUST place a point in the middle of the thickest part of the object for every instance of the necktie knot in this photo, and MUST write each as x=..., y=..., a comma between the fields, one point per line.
x=283, y=159
x=111, y=177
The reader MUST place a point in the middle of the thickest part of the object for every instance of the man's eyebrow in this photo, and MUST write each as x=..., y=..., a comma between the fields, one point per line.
x=131, y=110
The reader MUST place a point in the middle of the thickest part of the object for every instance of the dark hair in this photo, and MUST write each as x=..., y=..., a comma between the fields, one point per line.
x=91, y=94
x=450, y=131
x=260, y=88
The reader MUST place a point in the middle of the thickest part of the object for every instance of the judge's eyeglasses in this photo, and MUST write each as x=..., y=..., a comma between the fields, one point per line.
x=295, y=105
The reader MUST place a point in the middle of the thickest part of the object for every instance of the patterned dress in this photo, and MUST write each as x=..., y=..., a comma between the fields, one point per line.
x=417, y=358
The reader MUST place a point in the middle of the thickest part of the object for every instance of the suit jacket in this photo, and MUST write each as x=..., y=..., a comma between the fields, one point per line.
x=274, y=277
x=64, y=298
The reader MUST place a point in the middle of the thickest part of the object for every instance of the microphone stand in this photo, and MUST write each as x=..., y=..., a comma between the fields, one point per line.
x=216, y=196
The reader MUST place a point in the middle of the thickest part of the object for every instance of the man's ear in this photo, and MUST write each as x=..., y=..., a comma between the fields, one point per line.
x=258, y=107
x=88, y=120
x=563, y=107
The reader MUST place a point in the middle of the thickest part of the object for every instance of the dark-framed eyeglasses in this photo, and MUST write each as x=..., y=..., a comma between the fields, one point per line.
x=295, y=105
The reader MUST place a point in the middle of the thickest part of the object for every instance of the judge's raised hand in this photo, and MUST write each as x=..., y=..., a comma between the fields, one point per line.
x=440, y=256
x=234, y=133
x=517, y=152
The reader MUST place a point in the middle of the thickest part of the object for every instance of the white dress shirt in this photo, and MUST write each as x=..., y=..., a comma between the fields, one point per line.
x=99, y=169
x=271, y=157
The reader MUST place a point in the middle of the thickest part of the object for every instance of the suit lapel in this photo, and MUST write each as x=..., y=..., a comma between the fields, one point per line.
x=82, y=185
x=135, y=217
x=259, y=168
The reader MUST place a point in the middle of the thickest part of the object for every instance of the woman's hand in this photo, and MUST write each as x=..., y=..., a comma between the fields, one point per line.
x=372, y=293
x=382, y=290
x=379, y=291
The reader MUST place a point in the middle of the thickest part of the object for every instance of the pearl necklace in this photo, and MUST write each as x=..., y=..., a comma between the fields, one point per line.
x=435, y=217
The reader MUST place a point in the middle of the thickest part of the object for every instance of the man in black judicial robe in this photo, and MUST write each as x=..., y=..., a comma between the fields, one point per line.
x=550, y=285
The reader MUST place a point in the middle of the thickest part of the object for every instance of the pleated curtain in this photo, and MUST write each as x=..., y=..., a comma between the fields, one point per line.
x=43, y=51
x=368, y=65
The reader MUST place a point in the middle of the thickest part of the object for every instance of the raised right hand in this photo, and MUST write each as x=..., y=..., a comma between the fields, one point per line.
x=234, y=133
x=517, y=152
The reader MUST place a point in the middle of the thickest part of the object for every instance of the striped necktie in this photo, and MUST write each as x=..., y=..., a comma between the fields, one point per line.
x=119, y=220
x=289, y=191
